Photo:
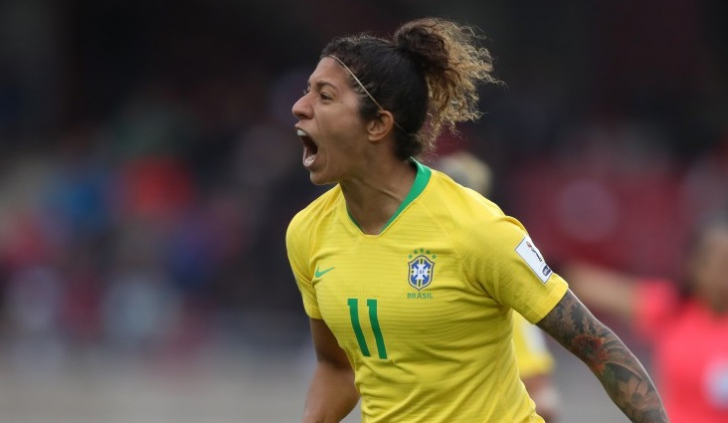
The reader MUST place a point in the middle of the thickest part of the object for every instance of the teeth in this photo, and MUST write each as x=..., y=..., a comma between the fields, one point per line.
x=300, y=133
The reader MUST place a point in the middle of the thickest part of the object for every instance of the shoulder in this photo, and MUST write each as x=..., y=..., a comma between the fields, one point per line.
x=304, y=226
x=464, y=209
x=308, y=218
x=448, y=198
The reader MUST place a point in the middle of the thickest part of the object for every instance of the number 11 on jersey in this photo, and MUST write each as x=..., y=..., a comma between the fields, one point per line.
x=374, y=320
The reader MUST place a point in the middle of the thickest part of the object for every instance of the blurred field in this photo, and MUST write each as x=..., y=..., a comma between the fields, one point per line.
x=214, y=387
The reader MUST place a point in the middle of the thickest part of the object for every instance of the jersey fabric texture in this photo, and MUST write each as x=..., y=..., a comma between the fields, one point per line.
x=423, y=309
x=690, y=344
x=532, y=353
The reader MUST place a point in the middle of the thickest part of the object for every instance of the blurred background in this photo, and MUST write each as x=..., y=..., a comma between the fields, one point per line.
x=148, y=170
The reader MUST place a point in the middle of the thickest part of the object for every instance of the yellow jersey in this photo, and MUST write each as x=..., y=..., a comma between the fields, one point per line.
x=423, y=309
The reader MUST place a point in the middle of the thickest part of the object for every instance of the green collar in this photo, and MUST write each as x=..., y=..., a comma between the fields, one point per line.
x=421, y=180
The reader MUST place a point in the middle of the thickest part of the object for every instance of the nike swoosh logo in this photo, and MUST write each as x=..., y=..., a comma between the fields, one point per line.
x=318, y=273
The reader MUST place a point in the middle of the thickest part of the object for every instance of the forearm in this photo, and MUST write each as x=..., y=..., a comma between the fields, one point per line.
x=331, y=395
x=622, y=376
x=618, y=370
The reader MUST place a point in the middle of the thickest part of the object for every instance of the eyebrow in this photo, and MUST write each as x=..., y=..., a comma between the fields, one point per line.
x=321, y=84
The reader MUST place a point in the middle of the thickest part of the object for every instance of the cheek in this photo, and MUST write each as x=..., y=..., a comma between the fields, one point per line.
x=342, y=133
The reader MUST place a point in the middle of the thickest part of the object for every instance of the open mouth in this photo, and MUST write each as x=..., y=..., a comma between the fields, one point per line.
x=310, y=149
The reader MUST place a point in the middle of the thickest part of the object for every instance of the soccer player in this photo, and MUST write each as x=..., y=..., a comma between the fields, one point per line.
x=686, y=324
x=408, y=278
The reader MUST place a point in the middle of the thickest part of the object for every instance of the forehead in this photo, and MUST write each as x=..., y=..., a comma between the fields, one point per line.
x=328, y=71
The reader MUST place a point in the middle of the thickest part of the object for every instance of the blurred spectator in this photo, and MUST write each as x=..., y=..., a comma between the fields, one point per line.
x=140, y=305
x=705, y=186
x=34, y=304
x=686, y=324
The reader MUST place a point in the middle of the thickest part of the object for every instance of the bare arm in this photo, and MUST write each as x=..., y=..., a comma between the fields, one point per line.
x=623, y=377
x=331, y=394
x=602, y=289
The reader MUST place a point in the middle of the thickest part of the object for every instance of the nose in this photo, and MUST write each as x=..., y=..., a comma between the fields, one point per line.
x=301, y=109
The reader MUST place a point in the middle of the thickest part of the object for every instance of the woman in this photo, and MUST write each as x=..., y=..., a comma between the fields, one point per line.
x=408, y=278
x=686, y=326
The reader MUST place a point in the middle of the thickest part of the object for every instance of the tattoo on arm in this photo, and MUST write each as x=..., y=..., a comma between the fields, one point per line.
x=623, y=377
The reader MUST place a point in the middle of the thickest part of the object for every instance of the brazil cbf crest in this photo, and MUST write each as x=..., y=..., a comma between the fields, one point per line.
x=421, y=268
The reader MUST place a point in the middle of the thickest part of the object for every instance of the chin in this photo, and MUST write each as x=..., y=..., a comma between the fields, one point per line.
x=318, y=179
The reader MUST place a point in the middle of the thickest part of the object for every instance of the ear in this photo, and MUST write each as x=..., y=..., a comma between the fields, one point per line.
x=381, y=126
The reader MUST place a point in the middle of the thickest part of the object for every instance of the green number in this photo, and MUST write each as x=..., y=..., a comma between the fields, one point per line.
x=354, y=313
x=374, y=320
x=372, y=304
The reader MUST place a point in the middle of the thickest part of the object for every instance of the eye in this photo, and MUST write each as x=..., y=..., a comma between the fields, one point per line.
x=325, y=96
x=307, y=90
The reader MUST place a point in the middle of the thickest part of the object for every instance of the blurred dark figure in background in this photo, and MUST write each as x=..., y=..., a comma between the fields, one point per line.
x=686, y=325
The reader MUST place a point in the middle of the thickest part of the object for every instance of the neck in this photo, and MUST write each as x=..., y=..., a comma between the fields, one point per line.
x=374, y=198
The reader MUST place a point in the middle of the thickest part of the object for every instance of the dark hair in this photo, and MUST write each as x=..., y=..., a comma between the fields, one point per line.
x=426, y=76
x=706, y=224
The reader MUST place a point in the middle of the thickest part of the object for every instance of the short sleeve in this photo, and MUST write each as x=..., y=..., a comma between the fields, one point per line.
x=655, y=306
x=506, y=263
x=298, y=250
